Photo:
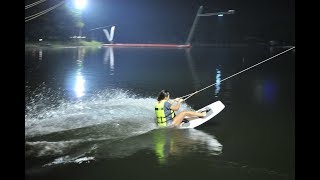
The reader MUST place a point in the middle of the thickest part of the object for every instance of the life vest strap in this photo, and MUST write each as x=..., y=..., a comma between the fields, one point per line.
x=165, y=120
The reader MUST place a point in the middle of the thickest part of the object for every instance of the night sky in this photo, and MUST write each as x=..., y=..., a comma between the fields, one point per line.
x=169, y=21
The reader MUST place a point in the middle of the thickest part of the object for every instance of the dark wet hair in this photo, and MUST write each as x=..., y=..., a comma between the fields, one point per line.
x=163, y=94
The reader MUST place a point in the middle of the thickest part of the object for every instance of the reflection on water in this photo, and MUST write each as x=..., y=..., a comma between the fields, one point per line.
x=178, y=143
x=79, y=87
x=109, y=57
x=196, y=81
x=166, y=145
x=265, y=91
x=40, y=54
x=217, y=84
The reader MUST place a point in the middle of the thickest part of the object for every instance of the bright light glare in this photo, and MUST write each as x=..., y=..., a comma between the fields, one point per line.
x=79, y=87
x=220, y=15
x=80, y=4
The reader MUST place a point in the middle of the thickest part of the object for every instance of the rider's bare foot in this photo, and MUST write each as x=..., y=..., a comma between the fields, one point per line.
x=204, y=112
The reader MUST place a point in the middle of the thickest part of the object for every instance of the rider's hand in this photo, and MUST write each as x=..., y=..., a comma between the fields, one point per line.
x=177, y=99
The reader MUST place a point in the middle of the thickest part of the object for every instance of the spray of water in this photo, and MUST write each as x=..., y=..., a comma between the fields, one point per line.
x=45, y=114
x=56, y=127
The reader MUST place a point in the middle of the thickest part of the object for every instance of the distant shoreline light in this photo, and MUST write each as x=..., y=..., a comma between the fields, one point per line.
x=78, y=37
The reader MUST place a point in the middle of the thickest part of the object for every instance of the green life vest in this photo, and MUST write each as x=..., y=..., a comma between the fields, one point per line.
x=161, y=116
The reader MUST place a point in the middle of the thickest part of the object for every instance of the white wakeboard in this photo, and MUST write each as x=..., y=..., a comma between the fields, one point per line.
x=193, y=122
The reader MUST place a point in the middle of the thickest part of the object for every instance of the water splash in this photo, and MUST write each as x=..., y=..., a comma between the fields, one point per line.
x=61, y=131
x=113, y=107
x=67, y=159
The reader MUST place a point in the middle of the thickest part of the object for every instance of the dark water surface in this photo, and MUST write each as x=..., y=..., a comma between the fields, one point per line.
x=90, y=114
